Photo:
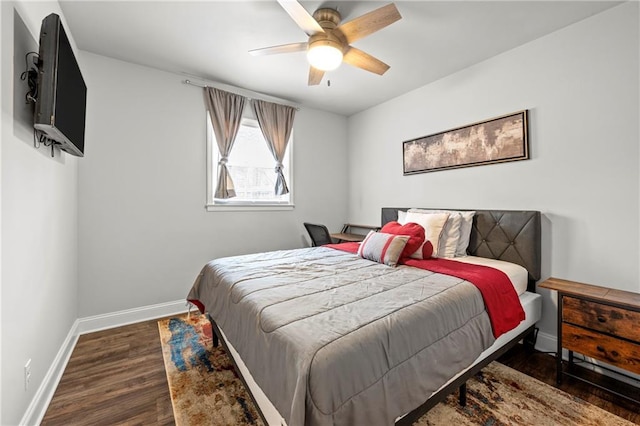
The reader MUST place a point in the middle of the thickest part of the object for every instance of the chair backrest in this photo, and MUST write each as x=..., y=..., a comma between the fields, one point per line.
x=319, y=234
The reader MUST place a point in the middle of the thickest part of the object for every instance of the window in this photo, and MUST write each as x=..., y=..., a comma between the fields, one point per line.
x=252, y=168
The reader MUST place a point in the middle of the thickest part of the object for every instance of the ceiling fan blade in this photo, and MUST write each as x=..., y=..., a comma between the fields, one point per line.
x=315, y=76
x=300, y=15
x=370, y=22
x=360, y=59
x=283, y=48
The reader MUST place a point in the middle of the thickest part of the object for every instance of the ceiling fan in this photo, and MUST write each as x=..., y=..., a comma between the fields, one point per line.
x=329, y=42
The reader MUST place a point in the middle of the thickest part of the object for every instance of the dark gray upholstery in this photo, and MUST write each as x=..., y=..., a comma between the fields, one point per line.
x=319, y=234
x=509, y=235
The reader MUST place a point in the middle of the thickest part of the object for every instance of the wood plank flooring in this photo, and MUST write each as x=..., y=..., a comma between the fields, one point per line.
x=117, y=377
x=114, y=377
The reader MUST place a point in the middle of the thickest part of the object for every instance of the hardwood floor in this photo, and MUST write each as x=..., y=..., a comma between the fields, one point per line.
x=114, y=377
x=117, y=377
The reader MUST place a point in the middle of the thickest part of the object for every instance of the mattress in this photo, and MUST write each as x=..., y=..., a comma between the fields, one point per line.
x=517, y=274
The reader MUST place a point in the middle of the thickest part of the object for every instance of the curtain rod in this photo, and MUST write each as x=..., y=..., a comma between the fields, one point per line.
x=243, y=92
x=194, y=84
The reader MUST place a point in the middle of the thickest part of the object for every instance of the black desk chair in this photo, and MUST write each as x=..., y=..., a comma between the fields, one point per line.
x=319, y=234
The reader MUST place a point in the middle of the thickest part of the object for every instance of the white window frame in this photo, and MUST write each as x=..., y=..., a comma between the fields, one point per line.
x=231, y=204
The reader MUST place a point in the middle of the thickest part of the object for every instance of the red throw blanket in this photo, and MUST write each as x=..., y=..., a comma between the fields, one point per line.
x=500, y=298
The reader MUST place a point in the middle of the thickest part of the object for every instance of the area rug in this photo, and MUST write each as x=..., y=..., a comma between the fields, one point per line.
x=205, y=390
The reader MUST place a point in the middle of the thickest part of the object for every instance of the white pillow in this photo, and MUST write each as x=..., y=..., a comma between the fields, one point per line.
x=401, y=216
x=465, y=228
x=465, y=232
x=450, y=234
x=433, y=225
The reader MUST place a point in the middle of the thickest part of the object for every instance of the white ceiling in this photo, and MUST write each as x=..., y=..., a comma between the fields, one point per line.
x=210, y=40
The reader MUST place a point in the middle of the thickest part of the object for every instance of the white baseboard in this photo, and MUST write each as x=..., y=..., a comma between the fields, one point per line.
x=38, y=406
x=546, y=342
x=44, y=394
x=130, y=316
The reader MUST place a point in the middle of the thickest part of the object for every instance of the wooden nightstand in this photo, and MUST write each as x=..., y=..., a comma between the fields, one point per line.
x=598, y=322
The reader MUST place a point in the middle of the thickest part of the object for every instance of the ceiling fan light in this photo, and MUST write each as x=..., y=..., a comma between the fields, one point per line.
x=324, y=57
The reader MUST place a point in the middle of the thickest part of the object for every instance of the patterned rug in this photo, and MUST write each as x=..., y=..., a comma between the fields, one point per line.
x=206, y=391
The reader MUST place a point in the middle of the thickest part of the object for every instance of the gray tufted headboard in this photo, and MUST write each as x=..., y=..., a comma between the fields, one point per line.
x=509, y=235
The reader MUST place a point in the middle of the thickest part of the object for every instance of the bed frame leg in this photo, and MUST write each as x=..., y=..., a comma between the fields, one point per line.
x=214, y=333
x=463, y=394
x=530, y=339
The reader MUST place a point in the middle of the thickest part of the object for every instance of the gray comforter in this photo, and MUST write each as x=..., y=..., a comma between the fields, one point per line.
x=333, y=339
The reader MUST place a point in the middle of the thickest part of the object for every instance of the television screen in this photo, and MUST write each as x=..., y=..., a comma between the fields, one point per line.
x=62, y=93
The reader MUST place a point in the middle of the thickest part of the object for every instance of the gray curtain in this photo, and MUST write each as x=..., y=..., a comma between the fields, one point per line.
x=276, y=122
x=225, y=111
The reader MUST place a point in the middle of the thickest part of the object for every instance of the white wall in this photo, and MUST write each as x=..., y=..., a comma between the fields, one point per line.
x=38, y=228
x=581, y=87
x=5, y=71
x=144, y=233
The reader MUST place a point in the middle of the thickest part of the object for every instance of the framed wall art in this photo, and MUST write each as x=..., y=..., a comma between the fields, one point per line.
x=497, y=140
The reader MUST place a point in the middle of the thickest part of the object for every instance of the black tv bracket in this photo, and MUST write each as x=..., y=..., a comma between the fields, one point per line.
x=30, y=74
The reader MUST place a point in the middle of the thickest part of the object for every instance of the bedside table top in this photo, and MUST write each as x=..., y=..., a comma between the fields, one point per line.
x=618, y=297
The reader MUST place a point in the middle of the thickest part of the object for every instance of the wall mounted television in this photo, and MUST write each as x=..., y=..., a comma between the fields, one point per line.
x=62, y=93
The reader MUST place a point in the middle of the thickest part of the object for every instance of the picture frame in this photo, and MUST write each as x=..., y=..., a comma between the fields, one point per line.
x=497, y=140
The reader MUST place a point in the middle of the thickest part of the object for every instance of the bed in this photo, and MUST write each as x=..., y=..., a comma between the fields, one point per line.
x=321, y=336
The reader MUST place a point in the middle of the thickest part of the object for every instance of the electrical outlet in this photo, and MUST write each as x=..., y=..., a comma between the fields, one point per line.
x=27, y=374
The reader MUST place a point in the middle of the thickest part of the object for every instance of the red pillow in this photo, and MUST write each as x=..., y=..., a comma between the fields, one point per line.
x=427, y=249
x=413, y=230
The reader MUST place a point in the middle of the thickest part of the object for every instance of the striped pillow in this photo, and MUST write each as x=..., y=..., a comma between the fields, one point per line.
x=382, y=248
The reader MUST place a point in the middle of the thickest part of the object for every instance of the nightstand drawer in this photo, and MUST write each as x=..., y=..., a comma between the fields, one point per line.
x=596, y=316
x=602, y=347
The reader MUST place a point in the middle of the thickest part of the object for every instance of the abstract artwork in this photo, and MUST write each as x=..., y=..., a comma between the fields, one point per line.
x=492, y=141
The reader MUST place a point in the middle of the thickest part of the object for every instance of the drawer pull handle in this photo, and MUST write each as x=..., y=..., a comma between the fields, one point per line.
x=600, y=348
x=602, y=319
